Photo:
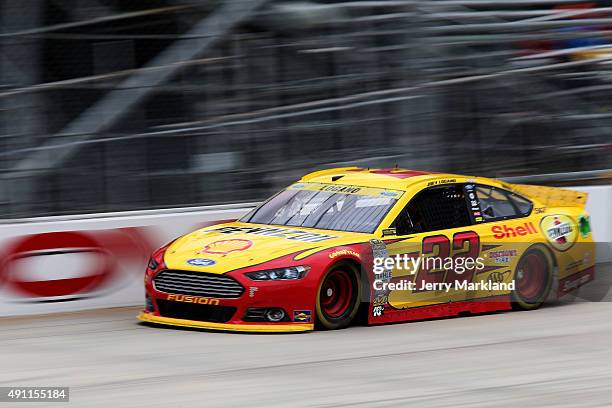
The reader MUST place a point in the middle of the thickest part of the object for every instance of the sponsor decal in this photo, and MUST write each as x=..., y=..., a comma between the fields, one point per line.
x=584, y=225
x=574, y=266
x=560, y=231
x=341, y=252
x=379, y=249
x=252, y=291
x=193, y=299
x=341, y=189
x=226, y=246
x=498, y=277
x=576, y=280
x=473, y=203
x=347, y=189
x=380, y=300
x=201, y=262
x=303, y=316
x=293, y=234
x=378, y=311
x=504, y=231
x=378, y=305
x=539, y=210
x=504, y=256
x=383, y=274
x=388, y=193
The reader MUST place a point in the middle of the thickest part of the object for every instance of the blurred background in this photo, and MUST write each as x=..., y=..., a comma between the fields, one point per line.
x=110, y=105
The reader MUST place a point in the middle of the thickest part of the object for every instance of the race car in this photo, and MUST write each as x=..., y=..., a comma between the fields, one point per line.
x=352, y=245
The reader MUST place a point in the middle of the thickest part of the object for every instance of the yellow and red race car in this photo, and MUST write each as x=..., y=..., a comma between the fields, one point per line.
x=351, y=242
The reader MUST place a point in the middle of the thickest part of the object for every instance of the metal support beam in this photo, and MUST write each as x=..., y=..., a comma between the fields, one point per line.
x=111, y=108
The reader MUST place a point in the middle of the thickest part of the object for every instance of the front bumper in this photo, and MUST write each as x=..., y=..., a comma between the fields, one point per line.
x=296, y=298
x=242, y=327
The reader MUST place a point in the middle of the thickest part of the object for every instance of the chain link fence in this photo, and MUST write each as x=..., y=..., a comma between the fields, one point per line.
x=110, y=106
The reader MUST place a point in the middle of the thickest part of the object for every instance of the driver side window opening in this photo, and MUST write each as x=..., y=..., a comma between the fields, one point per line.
x=435, y=208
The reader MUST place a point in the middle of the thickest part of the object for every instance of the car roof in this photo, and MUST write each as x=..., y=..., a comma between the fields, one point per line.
x=392, y=178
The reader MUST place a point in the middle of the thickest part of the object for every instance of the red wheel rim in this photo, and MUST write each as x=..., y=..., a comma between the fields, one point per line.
x=336, y=293
x=531, y=276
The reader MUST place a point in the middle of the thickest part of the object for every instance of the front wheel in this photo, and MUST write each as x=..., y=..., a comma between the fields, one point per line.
x=338, y=297
x=533, y=279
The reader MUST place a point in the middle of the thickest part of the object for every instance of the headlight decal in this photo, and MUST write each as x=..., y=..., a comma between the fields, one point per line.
x=289, y=273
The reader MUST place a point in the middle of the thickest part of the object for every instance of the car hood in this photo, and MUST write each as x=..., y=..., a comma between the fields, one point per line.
x=226, y=247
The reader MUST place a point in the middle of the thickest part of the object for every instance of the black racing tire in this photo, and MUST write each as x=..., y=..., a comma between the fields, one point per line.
x=533, y=279
x=338, y=297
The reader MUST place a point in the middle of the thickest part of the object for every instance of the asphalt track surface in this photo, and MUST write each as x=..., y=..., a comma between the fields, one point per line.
x=560, y=355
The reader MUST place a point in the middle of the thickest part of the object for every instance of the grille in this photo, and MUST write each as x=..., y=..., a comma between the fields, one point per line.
x=190, y=311
x=198, y=284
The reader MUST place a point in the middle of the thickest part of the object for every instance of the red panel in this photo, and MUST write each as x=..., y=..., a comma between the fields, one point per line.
x=568, y=284
x=484, y=305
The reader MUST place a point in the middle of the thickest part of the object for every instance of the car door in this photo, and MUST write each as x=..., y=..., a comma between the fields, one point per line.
x=436, y=223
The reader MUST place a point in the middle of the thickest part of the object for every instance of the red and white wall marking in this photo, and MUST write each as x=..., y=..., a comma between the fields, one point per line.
x=84, y=262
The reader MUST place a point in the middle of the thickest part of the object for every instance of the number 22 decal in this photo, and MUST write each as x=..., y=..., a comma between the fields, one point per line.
x=464, y=245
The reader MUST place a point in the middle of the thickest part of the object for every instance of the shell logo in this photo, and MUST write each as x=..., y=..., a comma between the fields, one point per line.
x=560, y=230
x=227, y=246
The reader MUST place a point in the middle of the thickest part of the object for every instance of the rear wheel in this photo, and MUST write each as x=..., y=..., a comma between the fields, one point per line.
x=533, y=280
x=338, y=297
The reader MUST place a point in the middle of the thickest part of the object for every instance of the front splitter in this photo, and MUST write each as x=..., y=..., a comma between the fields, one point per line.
x=248, y=328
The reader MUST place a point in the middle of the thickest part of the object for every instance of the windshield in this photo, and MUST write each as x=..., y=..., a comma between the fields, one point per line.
x=327, y=206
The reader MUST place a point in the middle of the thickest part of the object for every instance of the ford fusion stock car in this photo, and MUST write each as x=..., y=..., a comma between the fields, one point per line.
x=352, y=244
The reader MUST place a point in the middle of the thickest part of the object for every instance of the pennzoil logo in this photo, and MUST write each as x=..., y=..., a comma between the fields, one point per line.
x=560, y=230
x=193, y=299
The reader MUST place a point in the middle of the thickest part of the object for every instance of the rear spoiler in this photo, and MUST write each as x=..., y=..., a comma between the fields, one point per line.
x=552, y=196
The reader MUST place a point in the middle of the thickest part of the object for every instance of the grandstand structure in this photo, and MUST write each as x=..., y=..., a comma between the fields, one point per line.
x=110, y=105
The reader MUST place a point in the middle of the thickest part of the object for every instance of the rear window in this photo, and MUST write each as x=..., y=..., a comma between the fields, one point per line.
x=327, y=206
